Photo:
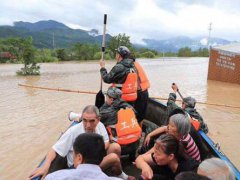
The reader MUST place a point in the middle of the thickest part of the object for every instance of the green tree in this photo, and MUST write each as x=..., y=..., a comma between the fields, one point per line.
x=61, y=54
x=119, y=40
x=27, y=52
x=148, y=54
x=184, y=52
x=85, y=51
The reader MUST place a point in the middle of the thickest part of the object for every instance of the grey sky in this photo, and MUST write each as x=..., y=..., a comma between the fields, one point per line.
x=139, y=19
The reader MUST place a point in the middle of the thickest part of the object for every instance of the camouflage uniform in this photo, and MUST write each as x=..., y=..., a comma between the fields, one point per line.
x=108, y=113
x=171, y=105
x=118, y=73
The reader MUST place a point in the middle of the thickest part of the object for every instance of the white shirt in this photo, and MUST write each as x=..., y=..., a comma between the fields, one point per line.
x=82, y=172
x=64, y=146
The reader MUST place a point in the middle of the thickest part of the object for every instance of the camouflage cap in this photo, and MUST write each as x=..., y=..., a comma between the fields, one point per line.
x=114, y=92
x=189, y=101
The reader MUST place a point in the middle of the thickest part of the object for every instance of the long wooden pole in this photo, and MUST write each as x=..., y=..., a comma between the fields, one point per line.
x=94, y=92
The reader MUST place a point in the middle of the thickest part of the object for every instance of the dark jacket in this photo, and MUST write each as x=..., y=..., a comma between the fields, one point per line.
x=109, y=113
x=118, y=73
x=171, y=105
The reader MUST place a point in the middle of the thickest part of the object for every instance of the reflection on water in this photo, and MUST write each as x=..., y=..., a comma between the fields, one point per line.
x=31, y=120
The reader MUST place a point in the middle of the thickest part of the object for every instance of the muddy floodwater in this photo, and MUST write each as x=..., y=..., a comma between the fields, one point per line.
x=31, y=120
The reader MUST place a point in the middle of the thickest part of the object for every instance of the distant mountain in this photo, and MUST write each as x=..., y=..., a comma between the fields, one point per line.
x=41, y=25
x=44, y=33
x=174, y=44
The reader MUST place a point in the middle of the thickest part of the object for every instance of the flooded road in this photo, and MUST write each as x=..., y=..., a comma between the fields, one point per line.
x=31, y=120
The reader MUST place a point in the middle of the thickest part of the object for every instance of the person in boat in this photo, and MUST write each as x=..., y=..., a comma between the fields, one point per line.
x=64, y=146
x=119, y=118
x=122, y=75
x=109, y=110
x=190, y=175
x=216, y=169
x=142, y=93
x=89, y=151
x=179, y=126
x=165, y=160
x=188, y=105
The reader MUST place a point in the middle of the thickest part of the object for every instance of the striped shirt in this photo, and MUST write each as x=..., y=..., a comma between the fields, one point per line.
x=190, y=147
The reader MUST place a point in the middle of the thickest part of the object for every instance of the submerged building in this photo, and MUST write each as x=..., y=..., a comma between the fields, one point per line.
x=224, y=63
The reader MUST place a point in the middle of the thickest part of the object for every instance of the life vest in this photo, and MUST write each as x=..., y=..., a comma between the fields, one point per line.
x=196, y=124
x=129, y=87
x=144, y=82
x=127, y=129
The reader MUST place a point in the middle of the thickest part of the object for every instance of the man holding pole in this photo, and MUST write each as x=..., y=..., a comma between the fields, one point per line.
x=122, y=75
x=188, y=105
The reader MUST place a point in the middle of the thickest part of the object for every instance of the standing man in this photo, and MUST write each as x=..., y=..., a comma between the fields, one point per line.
x=142, y=92
x=64, y=146
x=122, y=75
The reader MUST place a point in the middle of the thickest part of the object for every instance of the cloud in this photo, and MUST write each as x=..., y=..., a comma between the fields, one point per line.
x=137, y=18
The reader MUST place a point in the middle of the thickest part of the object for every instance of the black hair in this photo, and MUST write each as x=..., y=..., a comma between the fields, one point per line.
x=189, y=175
x=91, y=146
x=170, y=145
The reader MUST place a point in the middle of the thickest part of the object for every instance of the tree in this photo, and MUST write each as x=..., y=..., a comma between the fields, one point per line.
x=119, y=40
x=61, y=54
x=27, y=52
x=184, y=52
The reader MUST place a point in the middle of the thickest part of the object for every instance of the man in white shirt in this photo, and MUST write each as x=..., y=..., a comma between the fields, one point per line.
x=64, y=146
x=89, y=150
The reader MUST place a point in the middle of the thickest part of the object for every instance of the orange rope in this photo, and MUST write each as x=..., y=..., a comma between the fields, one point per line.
x=93, y=92
x=58, y=89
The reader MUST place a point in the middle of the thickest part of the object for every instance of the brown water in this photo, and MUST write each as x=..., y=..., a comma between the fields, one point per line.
x=31, y=120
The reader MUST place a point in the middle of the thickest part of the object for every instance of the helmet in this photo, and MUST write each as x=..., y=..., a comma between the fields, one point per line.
x=114, y=92
x=123, y=51
x=189, y=101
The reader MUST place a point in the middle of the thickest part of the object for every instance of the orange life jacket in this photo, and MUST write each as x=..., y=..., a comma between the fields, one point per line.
x=129, y=87
x=127, y=129
x=195, y=123
x=144, y=82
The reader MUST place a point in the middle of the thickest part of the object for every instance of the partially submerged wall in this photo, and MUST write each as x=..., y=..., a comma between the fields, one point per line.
x=224, y=65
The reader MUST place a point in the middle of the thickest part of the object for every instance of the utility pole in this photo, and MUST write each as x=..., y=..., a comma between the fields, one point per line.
x=53, y=43
x=209, y=29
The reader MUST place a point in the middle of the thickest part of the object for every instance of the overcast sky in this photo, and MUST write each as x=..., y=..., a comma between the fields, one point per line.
x=159, y=19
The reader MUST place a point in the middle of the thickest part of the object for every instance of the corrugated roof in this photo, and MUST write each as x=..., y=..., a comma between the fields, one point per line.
x=234, y=48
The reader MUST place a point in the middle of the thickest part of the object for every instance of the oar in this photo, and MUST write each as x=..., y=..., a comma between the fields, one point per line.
x=100, y=99
x=94, y=92
x=178, y=92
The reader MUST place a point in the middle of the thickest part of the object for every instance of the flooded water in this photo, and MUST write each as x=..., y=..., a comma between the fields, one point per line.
x=31, y=120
